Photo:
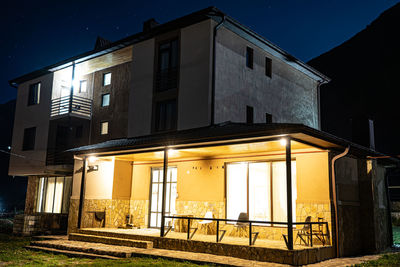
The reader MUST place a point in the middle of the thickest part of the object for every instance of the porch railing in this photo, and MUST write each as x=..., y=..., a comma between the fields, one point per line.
x=249, y=224
x=76, y=105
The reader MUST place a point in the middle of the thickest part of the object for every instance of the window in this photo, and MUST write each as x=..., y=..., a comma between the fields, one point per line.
x=105, y=100
x=249, y=114
x=168, y=61
x=268, y=118
x=268, y=67
x=259, y=189
x=104, y=128
x=29, y=139
x=249, y=57
x=106, y=78
x=82, y=86
x=34, y=94
x=79, y=131
x=165, y=118
x=53, y=194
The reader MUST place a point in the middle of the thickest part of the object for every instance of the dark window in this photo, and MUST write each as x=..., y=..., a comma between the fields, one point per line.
x=79, y=131
x=249, y=57
x=168, y=62
x=268, y=118
x=105, y=100
x=165, y=118
x=249, y=114
x=268, y=67
x=29, y=139
x=106, y=78
x=82, y=86
x=34, y=94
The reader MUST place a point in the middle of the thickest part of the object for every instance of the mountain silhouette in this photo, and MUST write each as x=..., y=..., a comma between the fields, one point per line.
x=365, y=72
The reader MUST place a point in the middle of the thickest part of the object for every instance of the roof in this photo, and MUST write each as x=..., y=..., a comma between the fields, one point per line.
x=207, y=13
x=225, y=132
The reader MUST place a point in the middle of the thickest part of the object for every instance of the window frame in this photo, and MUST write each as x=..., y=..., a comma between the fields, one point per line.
x=41, y=194
x=268, y=67
x=104, y=78
x=34, y=97
x=102, y=100
x=101, y=127
x=80, y=86
x=249, y=57
x=25, y=145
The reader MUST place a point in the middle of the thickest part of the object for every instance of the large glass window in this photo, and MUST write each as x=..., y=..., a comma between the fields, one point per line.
x=166, y=118
x=259, y=189
x=53, y=194
x=168, y=62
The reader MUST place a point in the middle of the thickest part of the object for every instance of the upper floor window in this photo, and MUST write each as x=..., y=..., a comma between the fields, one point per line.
x=104, y=128
x=249, y=57
x=79, y=131
x=106, y=78
x=268, y=67
x=166, y=116
x=29, y=139
x=249, y=114
x=168, y=61
x=268, y=118
x=82, y=86
x=105, y=100
x=34, y=94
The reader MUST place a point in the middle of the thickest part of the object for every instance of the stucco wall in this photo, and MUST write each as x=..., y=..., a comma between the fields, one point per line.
x=31, y=162
x=141, y=90
x=194, y=100
x=289, y=95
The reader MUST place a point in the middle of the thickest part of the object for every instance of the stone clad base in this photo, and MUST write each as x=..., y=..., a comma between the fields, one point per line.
x=294, y=257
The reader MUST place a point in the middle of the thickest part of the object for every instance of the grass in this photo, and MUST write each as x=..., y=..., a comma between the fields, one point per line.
x=385, y=260
x=13, y=253
x=396, y=234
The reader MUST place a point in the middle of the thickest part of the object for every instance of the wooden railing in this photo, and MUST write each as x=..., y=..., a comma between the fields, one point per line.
x=76, y=105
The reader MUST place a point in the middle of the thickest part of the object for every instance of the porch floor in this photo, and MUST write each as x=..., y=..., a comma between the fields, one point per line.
x=241, y=241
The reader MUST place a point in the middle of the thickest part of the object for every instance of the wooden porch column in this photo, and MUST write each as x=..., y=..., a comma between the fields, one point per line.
x=289, y=194
x=165, y=170
x=82, y=193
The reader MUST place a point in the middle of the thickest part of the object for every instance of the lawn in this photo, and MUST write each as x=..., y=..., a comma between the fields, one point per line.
x=396, y=234
x=13, y=253
x=385, y=260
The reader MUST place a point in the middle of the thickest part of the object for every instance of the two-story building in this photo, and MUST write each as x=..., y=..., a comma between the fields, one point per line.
x=199, y=116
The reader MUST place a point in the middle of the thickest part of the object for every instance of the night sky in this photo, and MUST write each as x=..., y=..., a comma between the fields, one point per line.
x=35, y=34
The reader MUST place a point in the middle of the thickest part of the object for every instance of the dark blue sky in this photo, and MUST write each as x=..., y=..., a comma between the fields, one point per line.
x=38, y=33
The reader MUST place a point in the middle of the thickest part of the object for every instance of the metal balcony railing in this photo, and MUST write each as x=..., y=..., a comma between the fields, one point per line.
x=59, y=157
x=76, y=105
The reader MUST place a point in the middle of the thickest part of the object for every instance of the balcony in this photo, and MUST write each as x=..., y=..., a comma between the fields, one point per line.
x=71, y=105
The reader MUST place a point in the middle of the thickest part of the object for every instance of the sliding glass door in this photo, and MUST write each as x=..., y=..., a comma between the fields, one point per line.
x=259, y=189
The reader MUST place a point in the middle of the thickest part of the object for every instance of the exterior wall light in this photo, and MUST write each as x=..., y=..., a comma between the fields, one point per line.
x=283, y=142
x=92, y=159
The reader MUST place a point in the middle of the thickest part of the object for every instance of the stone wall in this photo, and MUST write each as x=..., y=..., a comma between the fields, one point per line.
x=139, y=211
x=30, y=199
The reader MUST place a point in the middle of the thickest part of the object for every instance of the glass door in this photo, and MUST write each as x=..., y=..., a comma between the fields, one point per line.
x=156, y=195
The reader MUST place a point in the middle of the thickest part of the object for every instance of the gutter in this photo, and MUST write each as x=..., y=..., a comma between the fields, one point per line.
x=334, y=196
x=222, y=15
x=12, y=84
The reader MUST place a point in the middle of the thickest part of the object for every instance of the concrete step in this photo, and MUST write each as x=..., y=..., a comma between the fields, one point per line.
x=70, y=253
x=85, y=247
x=111, y=240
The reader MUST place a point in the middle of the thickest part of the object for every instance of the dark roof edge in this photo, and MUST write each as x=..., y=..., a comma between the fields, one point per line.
x=278, y=128
x=195, y=17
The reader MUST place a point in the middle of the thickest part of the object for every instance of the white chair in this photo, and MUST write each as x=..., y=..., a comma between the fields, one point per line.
x=205, y=222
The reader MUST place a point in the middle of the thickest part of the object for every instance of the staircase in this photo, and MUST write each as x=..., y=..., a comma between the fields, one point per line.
x=91, y=246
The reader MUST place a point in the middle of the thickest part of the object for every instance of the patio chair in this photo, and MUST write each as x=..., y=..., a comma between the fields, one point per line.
x=304, y=233
x=242, y=223
x=206, y=223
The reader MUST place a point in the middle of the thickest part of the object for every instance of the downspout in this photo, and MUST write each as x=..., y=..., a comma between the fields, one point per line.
x=334, y=197
x=213, y=67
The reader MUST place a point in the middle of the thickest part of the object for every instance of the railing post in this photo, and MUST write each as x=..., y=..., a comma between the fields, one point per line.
x=250, y=234
x=311, y=244
x=72, y=88
x=217, y=231
x=188, y=230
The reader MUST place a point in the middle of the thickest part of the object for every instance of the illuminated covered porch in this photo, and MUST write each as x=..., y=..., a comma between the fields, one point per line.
x=216, y=180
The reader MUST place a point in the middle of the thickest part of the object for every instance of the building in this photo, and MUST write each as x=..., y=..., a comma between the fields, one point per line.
x=233, y=121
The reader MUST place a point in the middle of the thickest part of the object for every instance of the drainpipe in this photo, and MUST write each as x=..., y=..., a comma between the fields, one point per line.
x=334, y=196
x=213, y=66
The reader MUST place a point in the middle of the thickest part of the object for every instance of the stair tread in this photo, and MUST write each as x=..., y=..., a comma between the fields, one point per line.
x=111, y=237
x=72, y=253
